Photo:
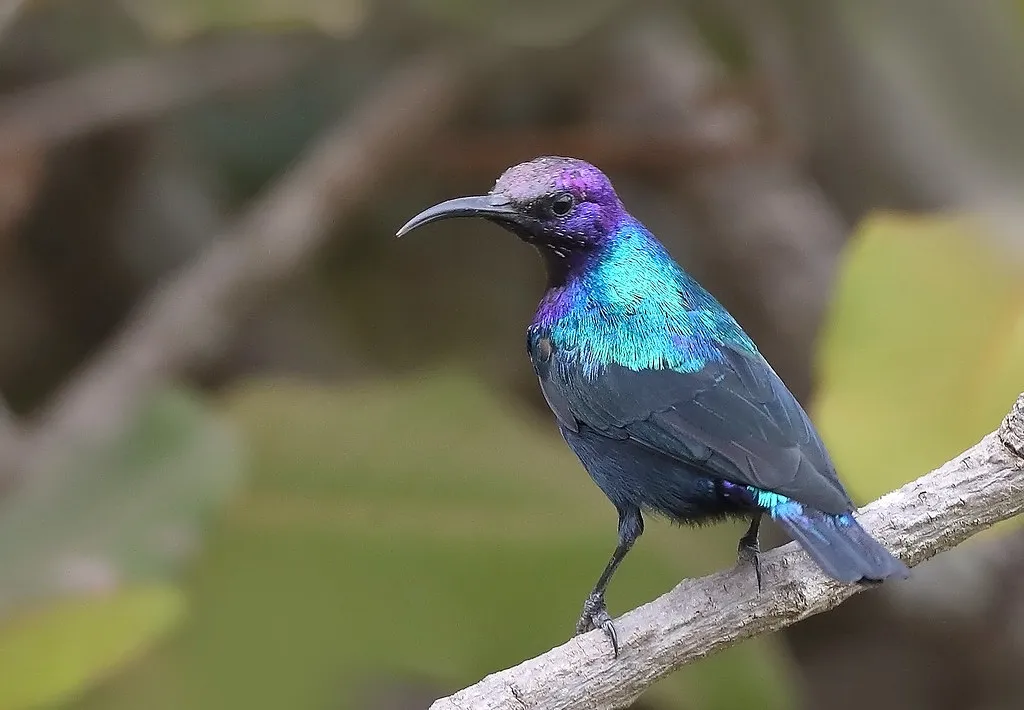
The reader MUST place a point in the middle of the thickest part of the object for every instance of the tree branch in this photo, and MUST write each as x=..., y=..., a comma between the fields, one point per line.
x=977, y=489
x=9, y=12
x=10, y=438
x=195, y=313
x=137, y=88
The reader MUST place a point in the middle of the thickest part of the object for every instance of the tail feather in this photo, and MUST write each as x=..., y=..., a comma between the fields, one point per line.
x=840, y=546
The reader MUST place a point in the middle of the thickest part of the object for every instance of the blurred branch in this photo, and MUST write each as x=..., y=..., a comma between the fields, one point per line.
x=767, y=219
x=764, y=31
x=135, y=89
x=12, y=446
x=9, y=12
x=196, y=312
x=10, y=436
x=657, y=150
x=22, y=169
x=977, y=489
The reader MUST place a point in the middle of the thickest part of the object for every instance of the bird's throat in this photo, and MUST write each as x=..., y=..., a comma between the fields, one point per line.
x=565, y=264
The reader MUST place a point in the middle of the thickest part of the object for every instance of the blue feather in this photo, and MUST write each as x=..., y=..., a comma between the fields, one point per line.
x=636, y=308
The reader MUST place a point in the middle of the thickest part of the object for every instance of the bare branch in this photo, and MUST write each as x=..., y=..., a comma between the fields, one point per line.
x=980, y=487
x=196, y=312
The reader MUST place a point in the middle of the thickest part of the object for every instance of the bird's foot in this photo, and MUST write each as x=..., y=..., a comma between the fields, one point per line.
x=749, y=552
x=595, y=616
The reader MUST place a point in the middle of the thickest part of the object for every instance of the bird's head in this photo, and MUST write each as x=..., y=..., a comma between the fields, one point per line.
x=564, y=206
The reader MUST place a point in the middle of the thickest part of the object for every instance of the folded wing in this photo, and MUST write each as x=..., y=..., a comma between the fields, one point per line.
x=734, y=418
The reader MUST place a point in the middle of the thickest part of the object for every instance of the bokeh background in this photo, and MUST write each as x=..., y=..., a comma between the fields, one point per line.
x=255, y=453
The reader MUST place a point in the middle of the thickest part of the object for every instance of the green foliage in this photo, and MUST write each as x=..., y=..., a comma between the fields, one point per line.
x=51, y=653
x=410, y=529
x=923, y=353
x=116, y=523
x=126, y=513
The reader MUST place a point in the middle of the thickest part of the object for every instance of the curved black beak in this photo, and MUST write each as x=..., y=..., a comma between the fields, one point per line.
x=493, y=207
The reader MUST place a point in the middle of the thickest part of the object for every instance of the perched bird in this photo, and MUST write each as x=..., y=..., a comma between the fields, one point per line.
x=660, y=393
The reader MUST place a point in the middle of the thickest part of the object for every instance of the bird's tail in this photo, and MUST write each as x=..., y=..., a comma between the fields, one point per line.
x=840, y=546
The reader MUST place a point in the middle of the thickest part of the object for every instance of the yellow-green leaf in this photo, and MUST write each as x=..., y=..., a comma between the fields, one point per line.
x=923, y=352
x=52, y=653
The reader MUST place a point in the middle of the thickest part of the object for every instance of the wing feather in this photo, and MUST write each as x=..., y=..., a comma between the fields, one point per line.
x=734, y=419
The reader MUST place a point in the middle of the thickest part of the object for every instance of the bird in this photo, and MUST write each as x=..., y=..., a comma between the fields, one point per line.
x=663, y=397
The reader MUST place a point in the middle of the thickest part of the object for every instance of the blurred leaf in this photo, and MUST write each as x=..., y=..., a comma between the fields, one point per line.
x=924, y=351
x=180, y=19
x=413, y=528
x=124, y=514
x=55, y=652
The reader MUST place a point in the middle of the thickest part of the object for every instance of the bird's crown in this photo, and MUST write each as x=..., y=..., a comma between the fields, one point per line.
x=549, y=175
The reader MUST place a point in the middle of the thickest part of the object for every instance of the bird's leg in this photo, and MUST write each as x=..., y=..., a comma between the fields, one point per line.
x=595, y=613
x=749, y=549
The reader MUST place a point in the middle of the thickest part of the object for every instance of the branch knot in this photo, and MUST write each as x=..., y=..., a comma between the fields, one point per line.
x=1011, y=431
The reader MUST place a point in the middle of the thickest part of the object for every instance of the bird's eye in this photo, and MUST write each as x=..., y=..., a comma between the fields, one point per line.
x=561, y=204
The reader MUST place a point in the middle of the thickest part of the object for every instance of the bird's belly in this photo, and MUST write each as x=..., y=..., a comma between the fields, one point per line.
x=634, y=476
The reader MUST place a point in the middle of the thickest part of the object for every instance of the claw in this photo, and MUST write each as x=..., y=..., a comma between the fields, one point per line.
x=595, y=616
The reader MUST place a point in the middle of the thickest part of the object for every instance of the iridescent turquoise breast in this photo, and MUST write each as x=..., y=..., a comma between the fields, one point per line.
x=633, y=306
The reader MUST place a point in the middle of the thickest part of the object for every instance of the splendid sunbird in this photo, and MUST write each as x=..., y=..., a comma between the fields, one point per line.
x=662, y=396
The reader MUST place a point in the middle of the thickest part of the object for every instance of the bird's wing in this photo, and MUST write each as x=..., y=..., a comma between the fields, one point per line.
x=734, y=419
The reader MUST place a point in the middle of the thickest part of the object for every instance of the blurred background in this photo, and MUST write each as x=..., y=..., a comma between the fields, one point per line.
x=254, y=453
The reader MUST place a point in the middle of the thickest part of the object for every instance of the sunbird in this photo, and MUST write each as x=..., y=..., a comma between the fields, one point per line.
x=659, y=392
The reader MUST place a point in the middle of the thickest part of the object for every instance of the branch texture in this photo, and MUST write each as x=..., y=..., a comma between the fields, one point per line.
x=977, y=489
